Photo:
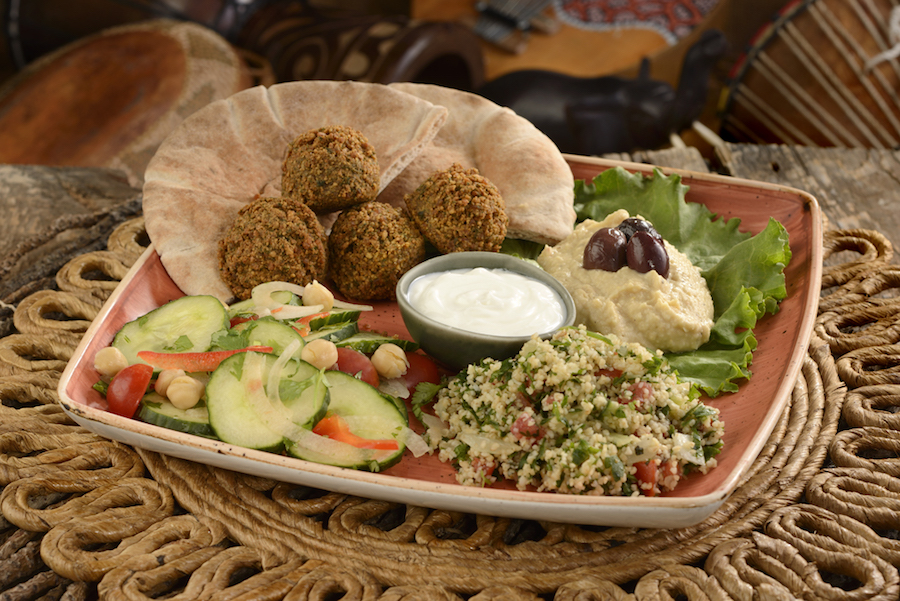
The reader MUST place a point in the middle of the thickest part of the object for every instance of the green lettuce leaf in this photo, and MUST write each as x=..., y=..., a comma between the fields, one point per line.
x=744, y=272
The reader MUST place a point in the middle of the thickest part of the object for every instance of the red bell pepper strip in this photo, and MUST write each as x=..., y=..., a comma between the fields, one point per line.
x=302, y=327
x=194, y=362
x=234, y=321
x=336, y=428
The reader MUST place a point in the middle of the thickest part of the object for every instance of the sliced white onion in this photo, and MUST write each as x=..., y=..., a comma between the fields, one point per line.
x=266, y=305
x=394, y=387
x=483, y=445
x=295, y=311
x=434, y=423
x=273, y=384
x=371, y=423
x=683, y=448
x=339, y=304
x=262, y=298
x=262, y=293
x=415, y=443
x=328, y=447
x=274, y=416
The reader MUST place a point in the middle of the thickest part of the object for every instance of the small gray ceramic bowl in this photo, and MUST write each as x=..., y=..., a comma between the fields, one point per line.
x=458, y=348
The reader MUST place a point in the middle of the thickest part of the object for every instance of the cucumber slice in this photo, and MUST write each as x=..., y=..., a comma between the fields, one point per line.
x=237, y=418
x=334, y=317
x=368, y=342
x=335, y=333
x=270, y=332
x=369, y=414
x=182, y=325
x=157, y=410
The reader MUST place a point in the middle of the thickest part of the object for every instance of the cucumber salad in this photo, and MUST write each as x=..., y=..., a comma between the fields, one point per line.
x=287, y=371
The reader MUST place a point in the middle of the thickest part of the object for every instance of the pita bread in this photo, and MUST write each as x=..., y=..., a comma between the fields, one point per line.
x=534, y=179
x=230, y=152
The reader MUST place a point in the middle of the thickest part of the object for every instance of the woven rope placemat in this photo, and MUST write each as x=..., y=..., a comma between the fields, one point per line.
x=816, y=517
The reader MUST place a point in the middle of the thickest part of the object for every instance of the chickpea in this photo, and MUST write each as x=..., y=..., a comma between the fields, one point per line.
x=390, y=361
x=109, y=361
x=320, y=353
x=184, y=391
x=317, y=294
x=165, y=378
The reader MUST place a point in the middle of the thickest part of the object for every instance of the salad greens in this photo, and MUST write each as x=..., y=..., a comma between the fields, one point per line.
x=744, y=272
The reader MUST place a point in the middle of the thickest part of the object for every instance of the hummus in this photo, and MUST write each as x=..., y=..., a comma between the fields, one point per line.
x=671, y=314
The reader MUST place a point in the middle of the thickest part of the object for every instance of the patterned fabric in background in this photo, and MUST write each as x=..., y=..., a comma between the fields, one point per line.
x=672, y=19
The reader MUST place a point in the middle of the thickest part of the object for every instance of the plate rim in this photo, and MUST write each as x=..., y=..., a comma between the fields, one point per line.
x=661, y=511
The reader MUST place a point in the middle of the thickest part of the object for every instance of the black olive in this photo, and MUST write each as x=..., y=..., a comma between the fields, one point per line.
x=605, y=250
x=633, y=224
x=645, y=252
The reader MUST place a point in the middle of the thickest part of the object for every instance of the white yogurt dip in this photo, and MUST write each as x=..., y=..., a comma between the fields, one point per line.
x=488, y=301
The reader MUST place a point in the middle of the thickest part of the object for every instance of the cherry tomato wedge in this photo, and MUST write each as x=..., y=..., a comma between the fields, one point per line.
x=645, y=473
x=421, y=369
x=194, y=362
x=336, y=428
x=126, y=389
x=357, y=364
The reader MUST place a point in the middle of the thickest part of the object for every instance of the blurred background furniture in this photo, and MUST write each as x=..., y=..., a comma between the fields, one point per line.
x=304, y=42
x=87, y=93
x=74, y=106
x=597, y=115
x=437, y=41
x=820, y=74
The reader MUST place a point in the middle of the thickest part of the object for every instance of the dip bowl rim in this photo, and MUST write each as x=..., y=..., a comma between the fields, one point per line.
x=433, y=336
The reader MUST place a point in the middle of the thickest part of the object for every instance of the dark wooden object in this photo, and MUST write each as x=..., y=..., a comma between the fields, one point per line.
x=611, y=114
x=98, y=107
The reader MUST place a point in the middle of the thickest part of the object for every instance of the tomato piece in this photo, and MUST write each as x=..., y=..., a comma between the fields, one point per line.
x=336, y=428
x=357, y=364
x=483, y=470
x=194, y=362
x=645, y=473
x=670, y=469
x=421, y=369
x=526, y=427
x=127, y=388
x=641, y=393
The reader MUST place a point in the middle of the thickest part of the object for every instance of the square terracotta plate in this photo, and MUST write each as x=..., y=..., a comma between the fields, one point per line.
x=749, y=414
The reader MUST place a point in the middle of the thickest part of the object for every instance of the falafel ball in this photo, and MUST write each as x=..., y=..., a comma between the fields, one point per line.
x=272, y=239
x=459, y=209
x=370, y=246
x=330, y=169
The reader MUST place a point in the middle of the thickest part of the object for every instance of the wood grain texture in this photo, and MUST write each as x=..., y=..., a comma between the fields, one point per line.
x=856, y=188
x=83, y=108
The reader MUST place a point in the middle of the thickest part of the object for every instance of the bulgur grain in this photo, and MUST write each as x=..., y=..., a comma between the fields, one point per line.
x=579, y=413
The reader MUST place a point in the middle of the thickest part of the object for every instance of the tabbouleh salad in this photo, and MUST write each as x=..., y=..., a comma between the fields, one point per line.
x=578, y=413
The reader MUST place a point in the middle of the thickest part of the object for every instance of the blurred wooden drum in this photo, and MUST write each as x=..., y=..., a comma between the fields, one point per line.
x=109, y=99
x=820, y=74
